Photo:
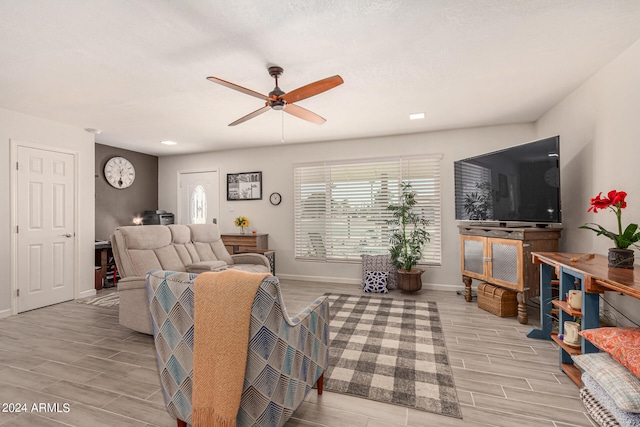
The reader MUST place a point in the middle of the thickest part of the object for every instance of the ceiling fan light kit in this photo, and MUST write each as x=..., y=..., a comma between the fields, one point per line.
x=280, y=100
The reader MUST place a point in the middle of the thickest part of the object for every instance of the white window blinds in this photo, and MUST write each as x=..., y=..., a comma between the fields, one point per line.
x=341, y=207
x=471, y=185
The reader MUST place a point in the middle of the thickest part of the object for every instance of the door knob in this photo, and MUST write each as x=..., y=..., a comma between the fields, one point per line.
x=66, y=235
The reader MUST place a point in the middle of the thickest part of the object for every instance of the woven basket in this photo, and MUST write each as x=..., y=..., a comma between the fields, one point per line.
x=499, y=301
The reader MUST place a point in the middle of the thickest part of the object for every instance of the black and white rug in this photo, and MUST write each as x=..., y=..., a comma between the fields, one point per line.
x=392, y=351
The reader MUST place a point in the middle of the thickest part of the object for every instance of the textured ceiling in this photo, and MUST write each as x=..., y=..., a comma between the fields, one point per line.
x=137, y=69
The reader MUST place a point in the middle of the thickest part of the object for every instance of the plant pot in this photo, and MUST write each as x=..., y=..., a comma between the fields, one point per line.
x=621, y=258
x=410, y=281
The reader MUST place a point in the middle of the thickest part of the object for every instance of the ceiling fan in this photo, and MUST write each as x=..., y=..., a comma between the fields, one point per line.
x=279, y=100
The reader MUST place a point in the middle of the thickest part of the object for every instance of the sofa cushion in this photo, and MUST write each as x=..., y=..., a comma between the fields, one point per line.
x=376, y=281
x=181, y=239
x=208, y=243
x=202, y=266
x=605, y=400
x=623, y=344
x=621, y=385
x=380, y=263
x=135, y=248
x=145, y=237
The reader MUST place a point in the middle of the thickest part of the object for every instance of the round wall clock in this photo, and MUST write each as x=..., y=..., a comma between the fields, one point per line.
x=275, y=199
x=119, y=172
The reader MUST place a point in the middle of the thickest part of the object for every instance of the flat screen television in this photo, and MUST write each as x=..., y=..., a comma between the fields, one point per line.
x=520, y=184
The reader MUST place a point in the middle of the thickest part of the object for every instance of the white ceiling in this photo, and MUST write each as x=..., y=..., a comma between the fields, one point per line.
x=137, y=69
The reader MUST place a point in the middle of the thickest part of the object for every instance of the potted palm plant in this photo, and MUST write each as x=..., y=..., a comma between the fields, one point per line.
x=408, y=237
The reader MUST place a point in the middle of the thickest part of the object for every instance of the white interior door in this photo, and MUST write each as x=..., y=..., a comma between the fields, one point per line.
x=45, y=234
x=199, y=197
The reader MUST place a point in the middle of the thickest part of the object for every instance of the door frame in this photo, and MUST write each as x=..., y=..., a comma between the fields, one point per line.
x=179, y=174
x=13, y=155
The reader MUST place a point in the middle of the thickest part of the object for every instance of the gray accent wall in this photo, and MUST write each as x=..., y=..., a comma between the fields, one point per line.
x=115, y=207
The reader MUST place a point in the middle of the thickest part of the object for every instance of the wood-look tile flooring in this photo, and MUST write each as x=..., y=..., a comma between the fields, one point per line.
x=101, y=374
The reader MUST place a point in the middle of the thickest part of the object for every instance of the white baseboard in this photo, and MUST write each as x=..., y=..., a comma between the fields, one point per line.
x=88, y=293
x=5, y=313
x=324, y=279
x=441, y=287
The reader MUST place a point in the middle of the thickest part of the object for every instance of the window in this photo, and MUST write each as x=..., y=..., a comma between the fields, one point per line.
x=198, y=205
x=341, y=207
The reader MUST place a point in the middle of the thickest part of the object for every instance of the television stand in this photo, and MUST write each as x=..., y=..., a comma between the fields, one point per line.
x=502, y=257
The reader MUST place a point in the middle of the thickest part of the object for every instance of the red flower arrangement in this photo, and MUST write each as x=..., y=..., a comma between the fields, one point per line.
x=615, y=201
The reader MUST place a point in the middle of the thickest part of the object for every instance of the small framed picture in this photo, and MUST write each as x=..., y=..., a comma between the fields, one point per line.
x=244, y=186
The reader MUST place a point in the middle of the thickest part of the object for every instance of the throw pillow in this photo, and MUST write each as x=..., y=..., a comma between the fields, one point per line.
x=606, y=403
x=376, y=281
x=620, y=384
x=623, y=344
x=380, y=263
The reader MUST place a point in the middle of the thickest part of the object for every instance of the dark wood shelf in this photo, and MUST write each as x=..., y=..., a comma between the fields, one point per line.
x=574, y=373
x=573, y=351
x=562, y=305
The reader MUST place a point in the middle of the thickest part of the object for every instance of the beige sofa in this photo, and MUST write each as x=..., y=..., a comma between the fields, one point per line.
x=190, y=248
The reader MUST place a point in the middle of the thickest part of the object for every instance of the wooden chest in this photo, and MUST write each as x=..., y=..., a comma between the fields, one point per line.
x=499, y=301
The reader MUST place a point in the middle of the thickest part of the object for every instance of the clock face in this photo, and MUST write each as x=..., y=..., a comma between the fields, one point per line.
x=275, y=198
x=119, y=172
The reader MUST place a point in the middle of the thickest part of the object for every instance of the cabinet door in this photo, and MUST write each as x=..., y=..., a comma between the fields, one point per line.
x=505, y=263
x=472, y=256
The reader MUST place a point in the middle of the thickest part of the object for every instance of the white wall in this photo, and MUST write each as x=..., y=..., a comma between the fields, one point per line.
x=39, y=131
x=599, y=125
x=276, y=164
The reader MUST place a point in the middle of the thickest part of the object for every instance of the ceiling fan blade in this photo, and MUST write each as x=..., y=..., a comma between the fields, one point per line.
x=312, y=89
x=238, y=88
x=251, y=115
x=303, y=114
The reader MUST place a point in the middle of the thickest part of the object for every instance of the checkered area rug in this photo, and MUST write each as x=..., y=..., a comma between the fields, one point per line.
x=392, y=351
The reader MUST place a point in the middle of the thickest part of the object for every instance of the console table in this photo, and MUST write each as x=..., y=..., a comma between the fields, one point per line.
x=236, y=242
x=591, y=274
x=502, y=256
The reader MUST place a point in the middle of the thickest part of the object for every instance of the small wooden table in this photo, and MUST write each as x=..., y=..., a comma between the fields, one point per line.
x=102, y=252
x=235, y=241
x=593, y=275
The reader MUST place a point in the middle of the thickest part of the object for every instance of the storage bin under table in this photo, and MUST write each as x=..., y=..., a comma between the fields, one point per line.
x=499, y=301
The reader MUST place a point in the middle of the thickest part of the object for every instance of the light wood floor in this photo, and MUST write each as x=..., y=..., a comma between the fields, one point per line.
x=79, y=355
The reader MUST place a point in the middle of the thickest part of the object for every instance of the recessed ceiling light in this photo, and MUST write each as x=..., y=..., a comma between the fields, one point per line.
x=168, y=142
x=416, y=116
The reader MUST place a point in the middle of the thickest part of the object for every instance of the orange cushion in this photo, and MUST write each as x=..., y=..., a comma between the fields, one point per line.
x=622, y=344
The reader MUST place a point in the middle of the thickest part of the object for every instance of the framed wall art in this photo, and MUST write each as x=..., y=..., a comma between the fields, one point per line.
x=244, y=186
